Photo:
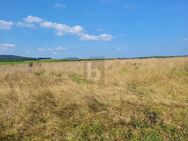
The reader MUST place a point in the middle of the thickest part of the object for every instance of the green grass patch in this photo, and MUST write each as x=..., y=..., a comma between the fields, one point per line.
x=77, y=78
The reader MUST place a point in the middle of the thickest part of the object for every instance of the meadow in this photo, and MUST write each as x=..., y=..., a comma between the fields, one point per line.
x=136, y=100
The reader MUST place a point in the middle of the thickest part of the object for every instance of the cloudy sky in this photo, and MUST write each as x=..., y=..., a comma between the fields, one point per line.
x=93, y=28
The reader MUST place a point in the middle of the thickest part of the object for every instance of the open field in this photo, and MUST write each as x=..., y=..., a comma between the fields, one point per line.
x=143, y=99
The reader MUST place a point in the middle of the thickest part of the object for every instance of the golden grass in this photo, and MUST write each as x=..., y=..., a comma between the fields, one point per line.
x=143, y=99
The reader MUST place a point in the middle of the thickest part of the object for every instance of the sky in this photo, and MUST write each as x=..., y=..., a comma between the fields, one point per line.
x=93, y=28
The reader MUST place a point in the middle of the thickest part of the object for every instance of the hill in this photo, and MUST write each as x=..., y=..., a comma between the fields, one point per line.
x=15, y=58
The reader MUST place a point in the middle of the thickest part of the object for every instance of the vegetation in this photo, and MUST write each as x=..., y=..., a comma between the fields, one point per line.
x=11, y=59
x=140, y=99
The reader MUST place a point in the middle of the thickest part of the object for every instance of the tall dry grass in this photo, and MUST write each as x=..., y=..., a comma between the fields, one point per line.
x=143, y=99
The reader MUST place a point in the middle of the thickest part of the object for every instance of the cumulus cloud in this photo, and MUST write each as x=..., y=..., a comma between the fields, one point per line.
x=62, y=29
x=6, y=25
x=6, y=46
x=59, y=5
x=59, y=28
x=23, y=24
x=54, y=50
x=32, y=19
x=60, y=48
x=78, y=30
x=102, y=37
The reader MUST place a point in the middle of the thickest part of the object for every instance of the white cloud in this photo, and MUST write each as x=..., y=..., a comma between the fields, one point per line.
x=54, y=51
x=48, y=24
x=57, y=49
x=78, y=30
x=88, y=37
x=60, y=29
x=32, y=19
x=102, y=37
x=185, y=39
x=6, y=25
x=60, y=48
x=29, y=21
x=6, y=46
x=23, y=24
x=59, y=5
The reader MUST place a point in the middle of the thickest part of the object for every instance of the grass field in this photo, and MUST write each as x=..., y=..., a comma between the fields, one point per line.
x=26, y=62
x=144, y=99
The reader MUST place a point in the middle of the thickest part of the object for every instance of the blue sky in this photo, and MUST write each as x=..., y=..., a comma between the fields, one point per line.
x=93, y=28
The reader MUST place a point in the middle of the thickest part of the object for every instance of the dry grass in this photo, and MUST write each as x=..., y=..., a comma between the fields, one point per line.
x=139, y=100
